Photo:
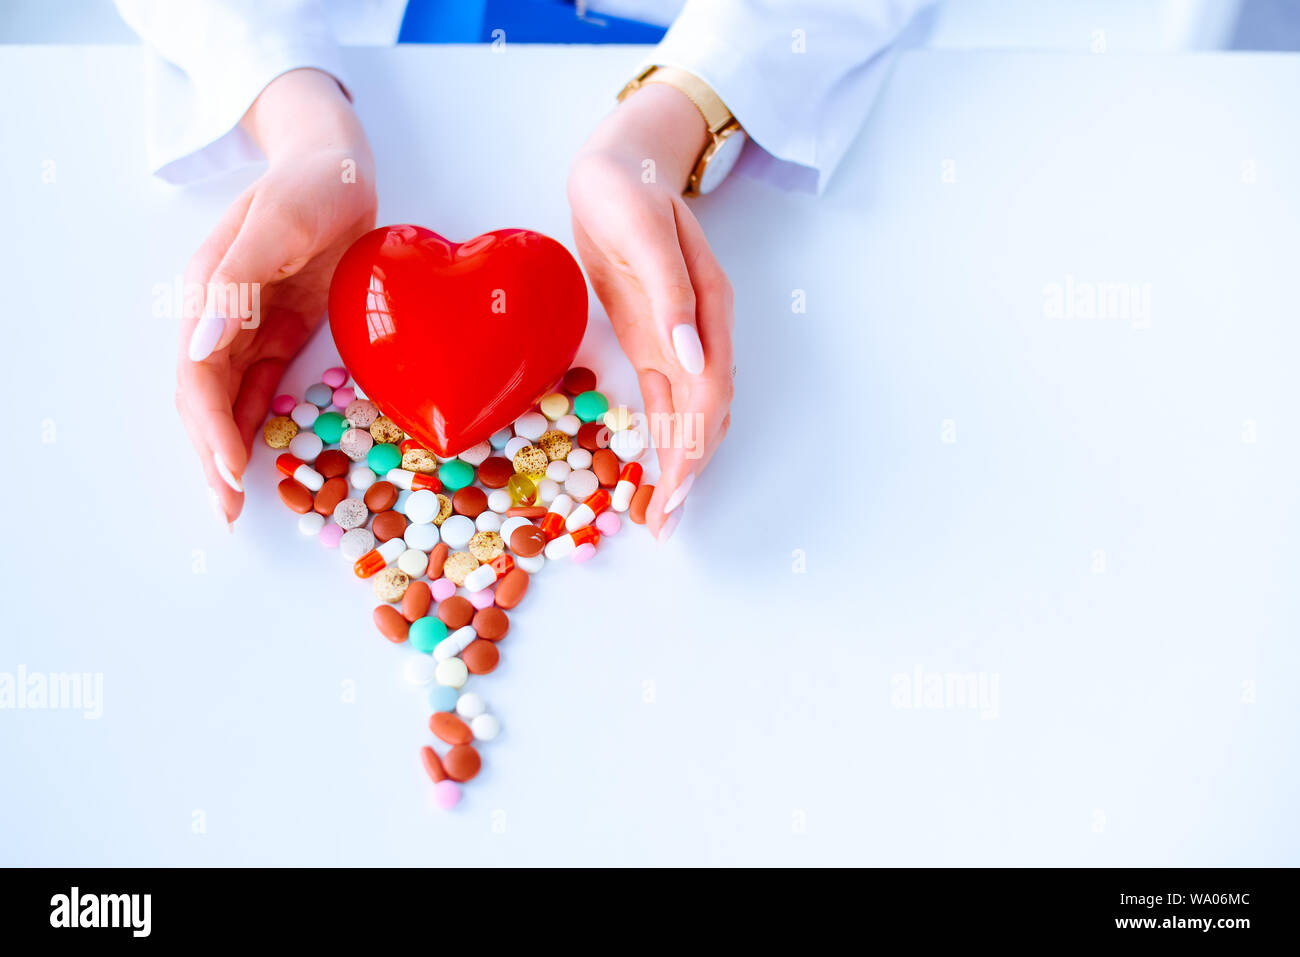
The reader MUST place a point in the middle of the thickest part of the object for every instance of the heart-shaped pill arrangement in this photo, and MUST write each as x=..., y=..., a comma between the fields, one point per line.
x=449, y=545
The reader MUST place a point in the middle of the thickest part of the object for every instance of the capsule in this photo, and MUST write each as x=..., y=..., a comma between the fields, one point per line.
x=586, y=513
x=457, y=641
x=410, y=445
x=299, y=471
x=413, y=481
x=628, y=480
x=488, y=574
x=377, y=559
x=552, y=524
x=565, y=545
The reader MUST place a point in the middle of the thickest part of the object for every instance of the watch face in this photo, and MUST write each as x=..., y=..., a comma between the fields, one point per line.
x=721, y=161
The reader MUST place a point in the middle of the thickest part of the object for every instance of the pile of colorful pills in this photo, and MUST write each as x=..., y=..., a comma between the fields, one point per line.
x=449, y=546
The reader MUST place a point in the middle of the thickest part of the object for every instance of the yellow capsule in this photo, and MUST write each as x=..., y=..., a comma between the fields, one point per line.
x=522, y=490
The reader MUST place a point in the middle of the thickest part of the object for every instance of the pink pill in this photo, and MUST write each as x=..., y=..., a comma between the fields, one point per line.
x=447, y=794
x=330, y=535
x=483, y=599
x=283, y=404
x=584, y=552
x=608, y=523
x=335, y=377
x=443, y=589
x=344, y=397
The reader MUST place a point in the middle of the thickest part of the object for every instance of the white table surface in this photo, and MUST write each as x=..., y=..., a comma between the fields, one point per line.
x=1146, y=715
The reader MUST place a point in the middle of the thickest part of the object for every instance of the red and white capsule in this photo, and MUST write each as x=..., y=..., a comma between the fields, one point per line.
x=628, y=481
x=377, y=559
x=586, y=513
x=552, y=524
x=487, y=575
x=566, y=545
x=299, y=471
x=413, y=481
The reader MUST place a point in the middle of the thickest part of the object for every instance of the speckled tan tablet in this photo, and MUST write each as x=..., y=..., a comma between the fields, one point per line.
x=486, y=546
x=556, y=445
x=530, y=460
x=384, y=429
x=391, y=584
x=279, y=432
x=458, y=565
x=444, y=509
x=420, y=460
x=361, y=413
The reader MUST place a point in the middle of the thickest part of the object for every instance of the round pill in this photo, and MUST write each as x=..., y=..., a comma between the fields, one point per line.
x=437, y=558
x=381, y=496
x=578, y=459
x=450, y=672
x=608, y=522
x=425, y=633
x=456, y=612
x=458, y=566
x=381, y=458
x=332, y=464
x=311, y=523
x=640, y=502
x=584, y=552
x=461, y=762
x=343, y=397
x=283, y=404
x=495, y=471
x=356, y=444
x=491, y=623
x=446, y=794
x=511, y=588
x=422, y=537
x=295, y=495
x=483, y=598
x=450, y=728
x=329, y=426
x=558, y=471
x=419, y=460
x=469, y=501
x=484, y=727
x=418, y=669
x=627, y=444
x=385, y=431
x=606, y=466
x=579, y=379
x=444, y=510
x=580, y=484
x=390, y=623
x=513, y=446
x=457, y=531
x=555, y=444
x=331, y=493
x=528, y=540
x=441, y=698
x=546, y=491
x=279, y=432
x=423, y=507
x=361, y=413
x=476, y=454
x=554, y=405
x=443, y=588
x=570, y=425
x=593, y=436
x=616, y=418
x=389, y=525
x=531, y=565
x=330, y=536
x=390, y=584
x=361, y=478
x=305, y=414
x=355, y=542
x=485, y=546
x=334, y=376
x=306, y=446
x=351, y=513
x=531, y=425
x=416, y=601
x=500, y=438
x=488, y=521
x=319, y=395
x=510, y=525
x=455, y=474
x=590, y=406
x=531, y=460
x=480, y=657
x=470, y=705
x=413, y=562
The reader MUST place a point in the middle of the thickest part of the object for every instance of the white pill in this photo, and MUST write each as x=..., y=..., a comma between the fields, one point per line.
x=581, y=483
x=531, y=425
x=452, y=673
x=579, y=459
x=419, y=669
x=569, y=425
x=470, y=705
x=514, y=445
x=488, y=521
x=403, y=497
x=360, y=477
x=627, y=444
x=414, y=562
x=531, y=565
x=306, y=446
x=457, y=531
x=485, y=727
x=547, y=489
x=558, y=471
x=561, y=547
x=355, y=543
x=422, y=507
x=305, y=414
x=482, y=577
x=423, y=537
x=511, y=525
x=499, y=439
x=500, y=501
x=476, y=454
x=311, y=523
x=454, y=643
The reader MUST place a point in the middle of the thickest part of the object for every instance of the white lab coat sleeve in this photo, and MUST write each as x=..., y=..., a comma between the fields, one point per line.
x=207, y=62
x=800, y=77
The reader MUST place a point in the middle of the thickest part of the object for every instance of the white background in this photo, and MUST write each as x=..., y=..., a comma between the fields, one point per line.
x=1146, y=715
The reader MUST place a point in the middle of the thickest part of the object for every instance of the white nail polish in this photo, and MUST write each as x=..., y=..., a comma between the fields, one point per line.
x=670, y=526
x=686, y=343
x=679, y=496
x=205, y=337
x=224, y=471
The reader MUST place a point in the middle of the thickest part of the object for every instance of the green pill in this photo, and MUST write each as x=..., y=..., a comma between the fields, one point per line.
x=330, y=427
x=425, y=633
x=590, y=406
x=383, y=457
x=455, y=474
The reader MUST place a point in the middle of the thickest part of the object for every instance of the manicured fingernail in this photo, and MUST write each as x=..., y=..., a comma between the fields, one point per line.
x=206, y=336
x=690, y=353
x=670, y=526
x=224, y=471
x=679, y=496
x=218, y=511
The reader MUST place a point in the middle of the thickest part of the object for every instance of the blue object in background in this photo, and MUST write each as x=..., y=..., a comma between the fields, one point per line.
x=522, y=21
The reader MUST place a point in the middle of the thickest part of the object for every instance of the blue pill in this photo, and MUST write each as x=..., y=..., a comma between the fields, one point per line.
x=320, y=395
x=443, y=698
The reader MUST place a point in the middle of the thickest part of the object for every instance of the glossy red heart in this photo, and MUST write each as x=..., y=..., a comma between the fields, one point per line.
x=454, y=341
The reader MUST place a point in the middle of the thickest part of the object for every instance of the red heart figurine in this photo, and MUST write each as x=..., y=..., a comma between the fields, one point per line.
x=454, y=341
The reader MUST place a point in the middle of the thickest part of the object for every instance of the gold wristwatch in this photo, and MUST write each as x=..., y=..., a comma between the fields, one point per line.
x=726, y=138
